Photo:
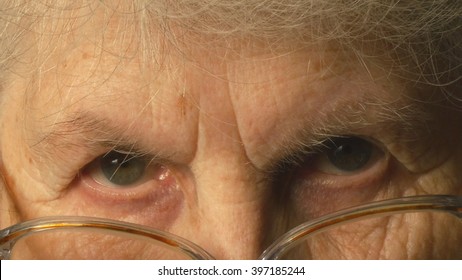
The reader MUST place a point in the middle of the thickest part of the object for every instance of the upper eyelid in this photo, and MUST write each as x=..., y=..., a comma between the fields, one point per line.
x=301, y=156
x=133, y=153
x=297, y=157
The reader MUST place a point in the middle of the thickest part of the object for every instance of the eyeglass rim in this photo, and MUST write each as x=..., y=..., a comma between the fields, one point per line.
x=444, y=203
x=10, y=235
x=424, y=203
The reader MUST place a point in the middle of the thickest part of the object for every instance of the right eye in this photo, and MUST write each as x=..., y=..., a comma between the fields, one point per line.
x=127, y=186
x=121, y=170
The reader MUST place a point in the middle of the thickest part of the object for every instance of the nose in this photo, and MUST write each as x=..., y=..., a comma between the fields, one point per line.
x=231, y=217
x=238, y=211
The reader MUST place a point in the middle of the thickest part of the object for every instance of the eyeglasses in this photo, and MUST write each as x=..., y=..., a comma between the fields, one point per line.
x=419, y=227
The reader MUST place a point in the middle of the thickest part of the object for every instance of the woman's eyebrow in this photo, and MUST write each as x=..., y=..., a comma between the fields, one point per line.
x=85, y=131
x=393, y=122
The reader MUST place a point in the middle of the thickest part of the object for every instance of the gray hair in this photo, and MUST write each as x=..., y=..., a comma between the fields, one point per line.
x=420, y=39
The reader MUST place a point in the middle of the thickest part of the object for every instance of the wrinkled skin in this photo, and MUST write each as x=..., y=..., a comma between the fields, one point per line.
x=217, y=124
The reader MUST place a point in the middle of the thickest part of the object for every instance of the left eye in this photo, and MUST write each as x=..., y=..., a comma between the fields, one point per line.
x=343, y=155
x=118, y=169
x=342, y=172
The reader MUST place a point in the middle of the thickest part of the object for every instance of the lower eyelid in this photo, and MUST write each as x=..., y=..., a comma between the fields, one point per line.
x=370, y=174
x=154, y=179
x=315, y=193
x=156, y=203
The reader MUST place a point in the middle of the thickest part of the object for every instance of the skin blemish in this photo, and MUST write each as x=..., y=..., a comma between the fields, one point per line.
x=182, y=104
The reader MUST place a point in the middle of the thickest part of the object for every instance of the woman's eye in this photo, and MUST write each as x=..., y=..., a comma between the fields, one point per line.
x=346, y=155
x=122, y=169
x=139, y=187
x=118, y=169
x=344, y=171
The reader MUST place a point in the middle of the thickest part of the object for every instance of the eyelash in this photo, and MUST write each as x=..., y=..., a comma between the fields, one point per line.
x=297, y=159
x=109, y=165
x=317, y=157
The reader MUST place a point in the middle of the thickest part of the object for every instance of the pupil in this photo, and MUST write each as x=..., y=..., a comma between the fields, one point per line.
x=122, y=169
x=349, y=154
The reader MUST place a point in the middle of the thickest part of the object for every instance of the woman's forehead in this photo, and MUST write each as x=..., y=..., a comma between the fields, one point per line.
x=153, y=82
x=265, y=101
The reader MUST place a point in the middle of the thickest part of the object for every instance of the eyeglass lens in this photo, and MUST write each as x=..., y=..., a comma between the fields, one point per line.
x=417, y=235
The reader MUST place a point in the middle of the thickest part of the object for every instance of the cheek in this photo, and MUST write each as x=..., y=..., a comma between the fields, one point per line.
x=417, y=235
x=447, y=179
x=318, y=200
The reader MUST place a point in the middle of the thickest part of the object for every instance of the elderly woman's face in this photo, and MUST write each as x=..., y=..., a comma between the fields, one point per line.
x=228, y=147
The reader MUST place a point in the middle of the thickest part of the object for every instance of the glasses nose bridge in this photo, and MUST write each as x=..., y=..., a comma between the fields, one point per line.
x=5, y=250
x=232, y=233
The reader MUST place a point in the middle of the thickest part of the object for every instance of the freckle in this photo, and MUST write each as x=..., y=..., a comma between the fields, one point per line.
x=86, y=56
x=182, y=104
